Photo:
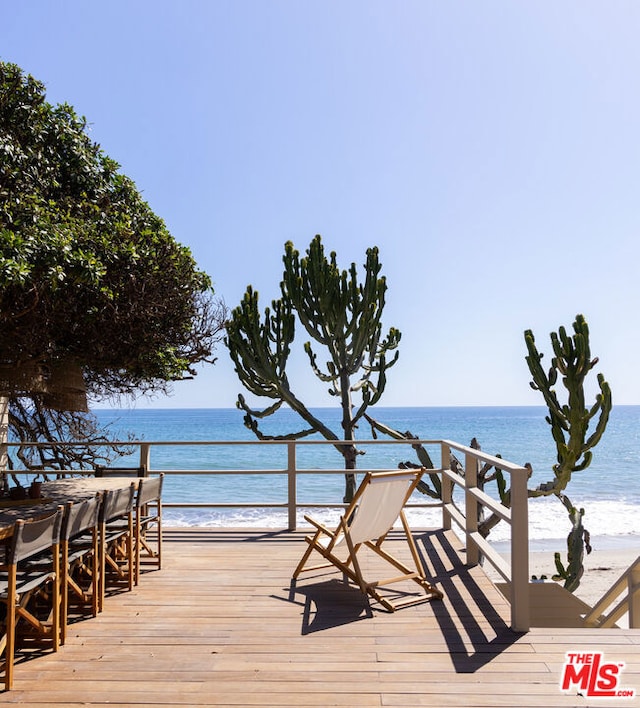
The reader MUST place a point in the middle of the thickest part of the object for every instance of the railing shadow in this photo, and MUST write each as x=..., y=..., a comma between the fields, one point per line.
x=191, y=534
x=474, y=631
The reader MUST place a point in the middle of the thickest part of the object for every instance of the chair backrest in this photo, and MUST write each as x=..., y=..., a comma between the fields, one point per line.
x=149, y=490
x=80, y=516
x=101, y=471
x=32, y=537
x=117, y=502
x=378, y=503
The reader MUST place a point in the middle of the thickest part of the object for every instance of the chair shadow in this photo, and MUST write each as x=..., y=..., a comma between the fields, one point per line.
x=328, y=604
x=487, y=634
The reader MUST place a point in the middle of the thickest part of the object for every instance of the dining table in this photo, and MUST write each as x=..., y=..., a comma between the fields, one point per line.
x=56, y=493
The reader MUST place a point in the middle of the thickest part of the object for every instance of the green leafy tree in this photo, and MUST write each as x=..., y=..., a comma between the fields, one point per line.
x=87, y=271
x=342, y=317
x=90, y=277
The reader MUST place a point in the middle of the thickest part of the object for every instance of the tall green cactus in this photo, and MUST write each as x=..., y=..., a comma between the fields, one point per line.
x=569, y=422
x=340, y=315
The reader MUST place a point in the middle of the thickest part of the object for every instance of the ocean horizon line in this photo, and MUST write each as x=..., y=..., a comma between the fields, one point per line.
x=333, y=408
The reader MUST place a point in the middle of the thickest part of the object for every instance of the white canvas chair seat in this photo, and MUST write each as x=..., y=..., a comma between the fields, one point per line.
x=378, y=503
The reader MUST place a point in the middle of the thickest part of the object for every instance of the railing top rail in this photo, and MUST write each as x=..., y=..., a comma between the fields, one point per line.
x=485, y=457
x=137, y=443
x=465, y=449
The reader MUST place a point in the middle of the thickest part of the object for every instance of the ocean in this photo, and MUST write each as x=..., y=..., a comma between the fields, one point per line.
x=608, y=489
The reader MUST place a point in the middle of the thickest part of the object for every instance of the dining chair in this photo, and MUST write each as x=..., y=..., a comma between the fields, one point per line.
x=80, y=561
x=148, y=515
x=116, y=539
x=33, y=567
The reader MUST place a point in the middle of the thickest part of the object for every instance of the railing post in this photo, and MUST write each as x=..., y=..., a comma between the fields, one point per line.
x=447, y=486
x=292, y=502
x=633, y=586
x=471, y=507
x=520, y=605
x=145, y=457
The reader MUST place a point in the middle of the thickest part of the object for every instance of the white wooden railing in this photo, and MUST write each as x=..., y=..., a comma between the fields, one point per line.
x=516, y=574
x=464, y=512
x=625, y=593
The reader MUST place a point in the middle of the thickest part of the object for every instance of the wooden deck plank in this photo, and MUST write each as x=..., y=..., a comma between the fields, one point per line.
x=222, y=625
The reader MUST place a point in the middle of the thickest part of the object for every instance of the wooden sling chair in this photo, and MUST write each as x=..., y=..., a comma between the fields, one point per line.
x=376, y=506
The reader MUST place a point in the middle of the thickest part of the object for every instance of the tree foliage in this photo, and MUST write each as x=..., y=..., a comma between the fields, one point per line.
x=342, y=317
x=88, y=272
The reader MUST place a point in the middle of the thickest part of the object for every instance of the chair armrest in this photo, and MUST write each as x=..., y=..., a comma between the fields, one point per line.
x=319, y=526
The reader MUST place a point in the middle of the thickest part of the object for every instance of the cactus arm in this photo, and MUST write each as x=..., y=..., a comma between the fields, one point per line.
x=259, y=350
x=424, y=458
x=602, y=406
x=577, y=541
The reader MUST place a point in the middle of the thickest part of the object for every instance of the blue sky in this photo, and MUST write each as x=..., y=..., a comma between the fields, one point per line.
x=489, y=149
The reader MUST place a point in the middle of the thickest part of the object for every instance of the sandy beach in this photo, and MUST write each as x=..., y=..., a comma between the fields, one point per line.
x=602, y=569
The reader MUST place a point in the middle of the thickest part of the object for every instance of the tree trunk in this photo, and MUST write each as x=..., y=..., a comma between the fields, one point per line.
x=347, y=427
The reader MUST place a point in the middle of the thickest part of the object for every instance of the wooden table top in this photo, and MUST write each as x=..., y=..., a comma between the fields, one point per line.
x=54, y=494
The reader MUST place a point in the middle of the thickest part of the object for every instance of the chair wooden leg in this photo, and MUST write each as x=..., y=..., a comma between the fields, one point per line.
x=159, y=532
x=305, y=557
x=102, y=563
x=55, y=594
x=130, y=558
x=64, y=593
x=10, y=646
x=95, y=577
x=142, y=548
x=71, y=587
x=137, y=533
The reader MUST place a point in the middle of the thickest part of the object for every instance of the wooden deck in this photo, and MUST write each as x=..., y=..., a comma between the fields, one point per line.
x=221, y=625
